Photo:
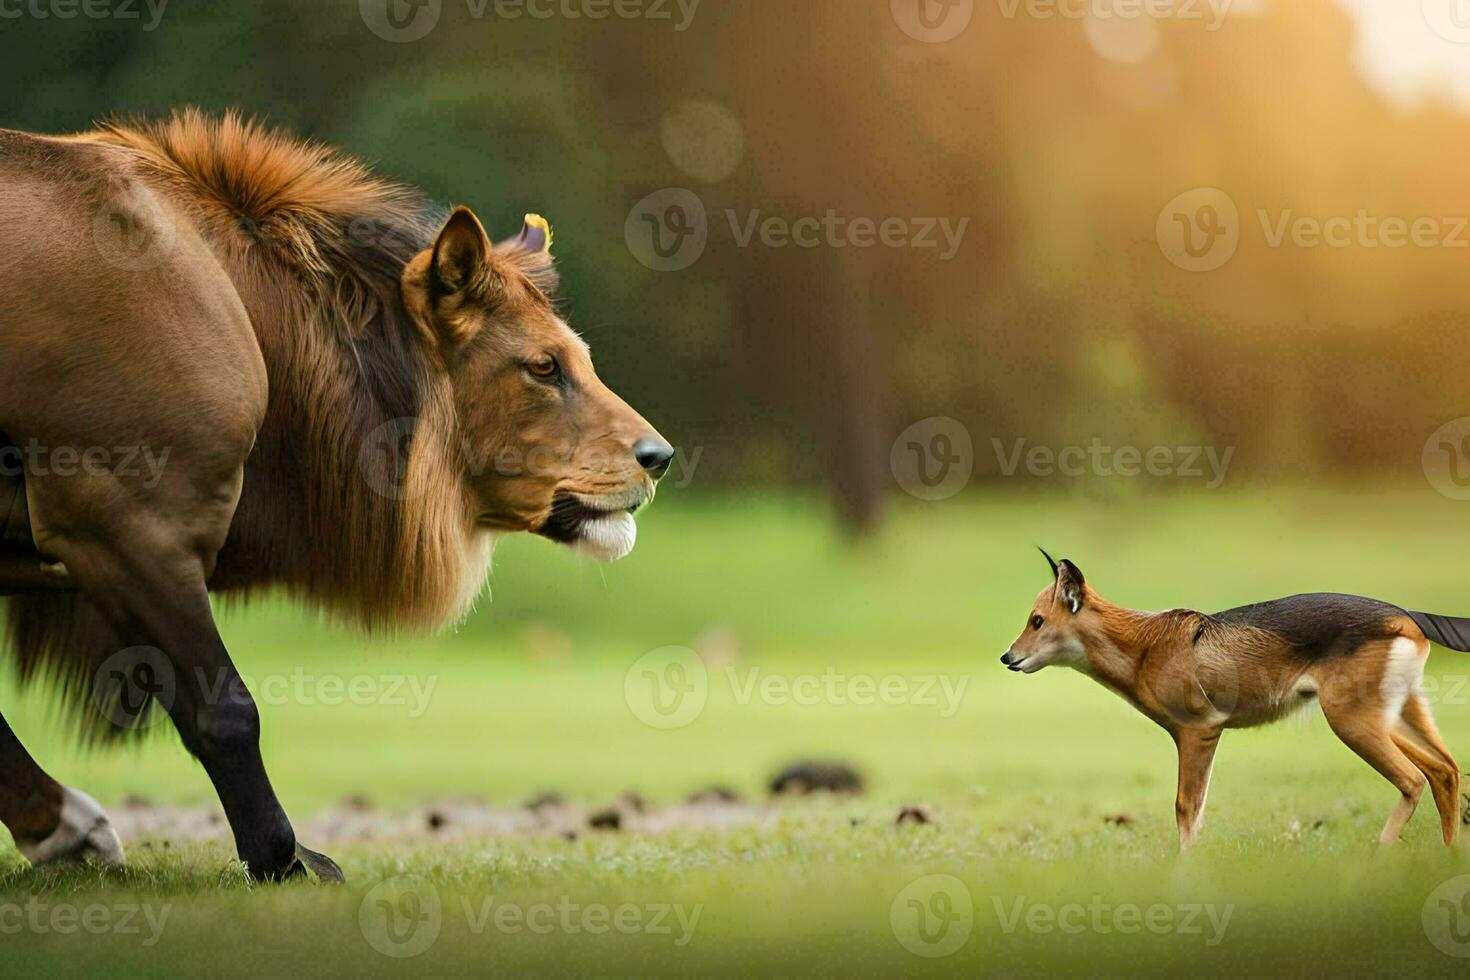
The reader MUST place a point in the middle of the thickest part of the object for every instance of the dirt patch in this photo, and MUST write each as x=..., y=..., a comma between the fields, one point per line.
x=356, y=819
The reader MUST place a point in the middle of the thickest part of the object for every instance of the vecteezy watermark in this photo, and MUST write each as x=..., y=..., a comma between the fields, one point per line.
x=566, y=917
x=403, y=916
x=833, y=230
x=1446, y=917
x=1212, y=12
x=1200, y=230
x=933, y=458
x=669, y=688
x=1206, y=920
x=932, y=21
x=933, y=916
x=669, y=229
x=41, y=917
x=402, y=21
x=1450, y=19
x=1446, y=459
x=383, y=460
x=134, y=231
x=1098, y=459
x=38, y=460
x=136, y=688
x=148, y=11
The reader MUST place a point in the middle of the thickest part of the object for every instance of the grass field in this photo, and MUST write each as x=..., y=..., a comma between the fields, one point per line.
x=882, y=654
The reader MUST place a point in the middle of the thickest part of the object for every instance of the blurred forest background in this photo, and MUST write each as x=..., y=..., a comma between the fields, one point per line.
x=1059, y=139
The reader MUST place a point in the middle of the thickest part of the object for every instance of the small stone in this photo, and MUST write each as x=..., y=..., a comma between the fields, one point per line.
x=609, y=818
x=914, y=814
x=543, y=801
x=716, y=794
x=809, y=777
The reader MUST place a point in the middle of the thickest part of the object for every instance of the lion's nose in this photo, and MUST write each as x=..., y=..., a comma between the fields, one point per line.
x=654, y=455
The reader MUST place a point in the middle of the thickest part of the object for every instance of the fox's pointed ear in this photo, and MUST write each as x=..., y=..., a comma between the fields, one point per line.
x=1049, y=560
x=460, y=253
x=1070, y=585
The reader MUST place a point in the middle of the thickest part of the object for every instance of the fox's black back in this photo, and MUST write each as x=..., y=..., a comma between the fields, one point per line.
x=1318, y=624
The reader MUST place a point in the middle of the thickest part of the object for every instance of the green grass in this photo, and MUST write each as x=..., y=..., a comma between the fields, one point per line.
x=529, y=695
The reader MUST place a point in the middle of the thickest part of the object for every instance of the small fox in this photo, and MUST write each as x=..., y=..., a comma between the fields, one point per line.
x=1197, y=674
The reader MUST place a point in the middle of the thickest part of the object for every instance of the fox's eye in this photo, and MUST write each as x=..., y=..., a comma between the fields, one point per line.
x=545, y=369
x=1036, y=622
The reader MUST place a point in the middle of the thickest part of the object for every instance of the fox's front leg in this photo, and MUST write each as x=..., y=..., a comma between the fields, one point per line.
x=1196, y=758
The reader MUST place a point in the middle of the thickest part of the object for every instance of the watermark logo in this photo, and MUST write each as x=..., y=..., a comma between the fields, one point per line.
x=833, y=230
x=383, y=459
x=932, y=21
x=668, y=230
x=401, y=916
x=1450, y=19
x=135, y=234
x=667, y=688
x=1104, y=918
x=129, y=684
x=1098, y=459
x=675, y=921
x=933, y=916
x=40, y=917
x=1446, y=459
x=1447, y=917
x=1199, y=230
x=933, y=459
x=401, y=21
x=126, y=462
x=90, y=9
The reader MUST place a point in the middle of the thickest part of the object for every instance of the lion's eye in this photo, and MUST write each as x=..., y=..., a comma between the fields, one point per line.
x=1036, y=622
x=546, y=369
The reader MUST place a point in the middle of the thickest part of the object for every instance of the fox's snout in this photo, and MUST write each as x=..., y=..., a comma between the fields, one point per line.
x=1009, y=660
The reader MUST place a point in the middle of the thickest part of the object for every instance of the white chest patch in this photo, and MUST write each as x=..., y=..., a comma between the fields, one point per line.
x=1403, y=671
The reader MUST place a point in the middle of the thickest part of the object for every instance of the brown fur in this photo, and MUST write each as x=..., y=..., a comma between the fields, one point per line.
x=356, y=395
x=317, y=245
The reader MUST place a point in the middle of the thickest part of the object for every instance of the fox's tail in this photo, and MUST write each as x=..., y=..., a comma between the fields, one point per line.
x=1447, y=631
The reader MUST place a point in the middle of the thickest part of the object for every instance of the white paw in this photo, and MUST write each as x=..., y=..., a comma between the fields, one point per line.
x=84, y=832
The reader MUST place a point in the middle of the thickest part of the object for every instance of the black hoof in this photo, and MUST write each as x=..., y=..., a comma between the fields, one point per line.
x=318, y=864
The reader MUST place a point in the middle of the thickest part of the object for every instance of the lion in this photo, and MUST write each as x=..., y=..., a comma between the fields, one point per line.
x=233, y=360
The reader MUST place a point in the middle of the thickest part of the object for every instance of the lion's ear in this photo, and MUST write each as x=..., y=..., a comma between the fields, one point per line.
x=535, y=236
x=530, y=251
x=461, y=253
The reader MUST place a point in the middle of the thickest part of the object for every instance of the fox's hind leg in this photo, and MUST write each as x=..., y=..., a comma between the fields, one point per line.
x=1363, y=727
x=1419, y=740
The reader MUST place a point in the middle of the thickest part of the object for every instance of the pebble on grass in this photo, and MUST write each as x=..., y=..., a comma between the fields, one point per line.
x=809, y=777
x=914, y=814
